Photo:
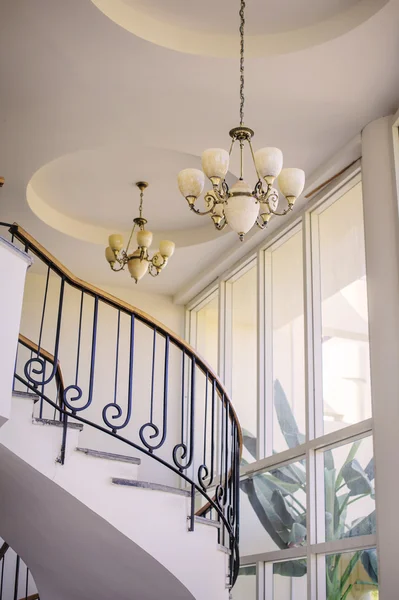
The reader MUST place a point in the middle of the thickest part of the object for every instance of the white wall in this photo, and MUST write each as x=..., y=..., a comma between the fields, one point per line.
x=13, y=265
x=162, y=309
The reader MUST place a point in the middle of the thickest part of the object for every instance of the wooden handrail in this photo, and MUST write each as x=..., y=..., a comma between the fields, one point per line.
x=58, y=267
x=31, y=597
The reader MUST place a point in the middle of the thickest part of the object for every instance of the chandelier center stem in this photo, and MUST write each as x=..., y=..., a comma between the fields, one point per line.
x=242, y=97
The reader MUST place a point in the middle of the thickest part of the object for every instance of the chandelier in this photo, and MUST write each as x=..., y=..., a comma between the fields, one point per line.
x=242, y=205
x=139, y=261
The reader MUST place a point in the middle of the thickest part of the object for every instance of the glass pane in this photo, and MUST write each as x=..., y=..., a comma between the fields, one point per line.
x=245, y=587
x=288, y=344
x=345, y=342
x=352, y=575
x=244, y=356
x=273, y=510
x=349, y=490
x=207, y=331
x=289, y=580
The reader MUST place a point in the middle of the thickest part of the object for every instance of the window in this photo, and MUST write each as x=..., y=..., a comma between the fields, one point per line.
x=204, y=328
x=339, y=238
x=295, y=356
x=241, y=350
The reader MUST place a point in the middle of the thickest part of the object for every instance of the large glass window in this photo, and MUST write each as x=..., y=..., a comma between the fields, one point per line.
x=241, y=355
x=344, y=313
x=204, y=329
x=284, y=277
x=307, y=493
x=349, y=490
x=352, y=575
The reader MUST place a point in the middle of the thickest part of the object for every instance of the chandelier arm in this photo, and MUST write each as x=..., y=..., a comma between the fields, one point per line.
x=221, y=225
x=122, y=266
x=130, y=238
x=254, y=161
x=278, y=214
x=260, y=225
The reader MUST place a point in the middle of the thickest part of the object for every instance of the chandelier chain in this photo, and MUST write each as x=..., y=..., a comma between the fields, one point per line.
x=141, y=203
x=242, y=97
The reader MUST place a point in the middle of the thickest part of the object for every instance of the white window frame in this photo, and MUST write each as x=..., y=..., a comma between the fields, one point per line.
x=316, y=441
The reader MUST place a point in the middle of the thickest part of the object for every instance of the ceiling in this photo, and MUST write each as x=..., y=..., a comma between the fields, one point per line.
x=88, y=108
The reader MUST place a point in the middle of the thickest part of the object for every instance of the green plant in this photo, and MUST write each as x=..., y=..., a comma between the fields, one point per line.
x=277, y=499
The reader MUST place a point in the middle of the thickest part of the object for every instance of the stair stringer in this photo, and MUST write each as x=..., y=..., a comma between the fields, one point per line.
x=154, y=521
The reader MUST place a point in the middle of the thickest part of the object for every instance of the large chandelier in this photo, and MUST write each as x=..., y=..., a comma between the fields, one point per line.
x=139, y=261
x=242, y=205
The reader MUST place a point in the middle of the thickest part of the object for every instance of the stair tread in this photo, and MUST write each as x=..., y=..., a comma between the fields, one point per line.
x=210, y=522
x=28, y=395
x=110, y=456
x=224, y=549
x=55, y=423
x=150, y=486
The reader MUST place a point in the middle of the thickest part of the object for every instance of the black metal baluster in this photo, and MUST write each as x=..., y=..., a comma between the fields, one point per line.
x=39, y=345
x=192, y=508
x=16, y=581
x=79, y=339
x=3, y=560
x=117, y=358
x=26, y=583
x=213, y=432
x=153, y=376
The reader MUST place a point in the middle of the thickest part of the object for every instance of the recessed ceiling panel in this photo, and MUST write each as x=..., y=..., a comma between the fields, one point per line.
x=210, y=27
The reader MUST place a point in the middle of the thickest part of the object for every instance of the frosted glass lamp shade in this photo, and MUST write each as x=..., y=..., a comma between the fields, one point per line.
x=241, y=209
x=191, y=182
x=215, y=163
x=291, y=182
x=137, y=268
x=109, y=254
x=116, y=242
x=144, y=238
x=269, y=162
x=166, y=248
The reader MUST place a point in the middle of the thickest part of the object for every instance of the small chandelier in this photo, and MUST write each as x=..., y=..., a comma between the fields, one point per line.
x=139, y=261
x=242, y=205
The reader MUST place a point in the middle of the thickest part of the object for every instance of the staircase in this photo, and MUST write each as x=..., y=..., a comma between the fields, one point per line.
x=120, y=456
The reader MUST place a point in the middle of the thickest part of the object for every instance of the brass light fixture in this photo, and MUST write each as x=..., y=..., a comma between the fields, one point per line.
x=242, y=205
x=139, y=261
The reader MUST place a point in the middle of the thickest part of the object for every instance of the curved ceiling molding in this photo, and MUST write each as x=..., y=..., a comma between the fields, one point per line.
x=91, y=193
x=150, y=22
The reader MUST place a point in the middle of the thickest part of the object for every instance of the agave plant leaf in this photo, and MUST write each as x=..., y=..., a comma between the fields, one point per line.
x=285, y=417
x=290, y=568
x=297, y=535
x=280, y=506
x=370, y=564
x=265, y=513
x=369, y=470
x=365, y=526
x=351, y=455
x=331, y=503
x=249, y=441
x=248, y=570
x=356, y=479
x=294, y=473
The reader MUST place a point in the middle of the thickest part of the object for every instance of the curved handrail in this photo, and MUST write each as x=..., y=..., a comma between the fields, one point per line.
x=24, y=237
x=218, y=470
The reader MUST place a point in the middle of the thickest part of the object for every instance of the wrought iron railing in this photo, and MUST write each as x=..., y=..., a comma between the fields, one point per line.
x=16, y=582
x=166, y=402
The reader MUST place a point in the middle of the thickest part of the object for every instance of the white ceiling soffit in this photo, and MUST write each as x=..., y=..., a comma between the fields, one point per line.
x=209, y=28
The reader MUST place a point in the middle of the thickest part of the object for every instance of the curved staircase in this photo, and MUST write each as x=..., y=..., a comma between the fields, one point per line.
x=119, y=477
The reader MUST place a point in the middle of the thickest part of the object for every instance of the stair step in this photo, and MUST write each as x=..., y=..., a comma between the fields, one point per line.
x=28, y=395
x=55, y=423
x=210, y=522
x=150, y=486
x=110, y=456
